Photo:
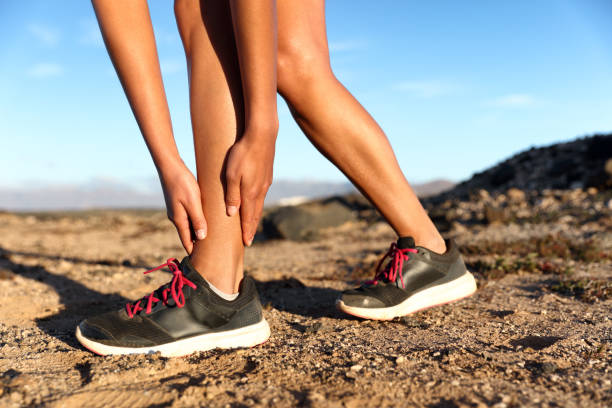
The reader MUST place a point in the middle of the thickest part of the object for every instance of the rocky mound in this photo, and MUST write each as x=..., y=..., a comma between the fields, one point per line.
x=582, y=163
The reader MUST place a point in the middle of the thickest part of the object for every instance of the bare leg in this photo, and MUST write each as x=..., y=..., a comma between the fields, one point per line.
x=217, y=119
x=339, y=126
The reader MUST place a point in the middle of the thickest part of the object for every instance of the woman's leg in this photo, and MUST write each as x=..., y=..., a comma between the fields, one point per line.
x=217, y=118
x=339, y=126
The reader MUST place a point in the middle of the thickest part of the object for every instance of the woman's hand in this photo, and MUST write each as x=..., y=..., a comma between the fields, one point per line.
x=249, y=175
x=183, y=203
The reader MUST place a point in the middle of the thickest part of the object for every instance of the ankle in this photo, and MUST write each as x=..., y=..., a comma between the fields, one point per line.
x=221, y=293
x=435, y=244
x=226, y=281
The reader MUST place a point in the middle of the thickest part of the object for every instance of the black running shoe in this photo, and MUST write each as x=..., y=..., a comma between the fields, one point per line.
x=179, y=318
x=414, y=279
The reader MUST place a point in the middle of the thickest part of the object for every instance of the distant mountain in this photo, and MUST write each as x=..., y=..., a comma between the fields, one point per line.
x=433, y=187
x=580, y=163
x=297, y=190
x=97, y=193
x=104, y=193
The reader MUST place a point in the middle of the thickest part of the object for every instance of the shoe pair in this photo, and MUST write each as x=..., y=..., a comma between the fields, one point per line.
x=185, y=315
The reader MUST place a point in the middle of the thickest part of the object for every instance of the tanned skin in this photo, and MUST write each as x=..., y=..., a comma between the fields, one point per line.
x=239, y=54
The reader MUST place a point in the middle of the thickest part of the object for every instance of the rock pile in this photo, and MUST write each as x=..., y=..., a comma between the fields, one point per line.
x=572, y=207
x=582, y=163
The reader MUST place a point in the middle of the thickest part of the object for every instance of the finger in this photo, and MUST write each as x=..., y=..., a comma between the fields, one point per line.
x=247, y=210
x=196, y=216
x=259, y=204
x=250, y=214
x=181, y=222
x=232, y=194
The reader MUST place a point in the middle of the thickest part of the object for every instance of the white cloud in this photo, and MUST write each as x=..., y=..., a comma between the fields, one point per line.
x=45, y=70
x=90, y=33
x=47, y=36
x=426, y=89
x=344, y=46
x=513, y=101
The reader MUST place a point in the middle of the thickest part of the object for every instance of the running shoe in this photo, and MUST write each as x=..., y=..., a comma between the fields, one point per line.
x=179, y=318
x=413, y=279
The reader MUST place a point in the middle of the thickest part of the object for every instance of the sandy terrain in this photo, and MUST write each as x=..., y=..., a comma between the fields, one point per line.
x=537, y=332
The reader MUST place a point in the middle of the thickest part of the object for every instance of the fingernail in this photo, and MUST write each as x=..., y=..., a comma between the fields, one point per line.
x=232, y=210
x=201, y=234
x=250, y=242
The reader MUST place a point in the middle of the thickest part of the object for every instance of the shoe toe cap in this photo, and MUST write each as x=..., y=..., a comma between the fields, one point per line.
x=356, y=299
x=94, y=332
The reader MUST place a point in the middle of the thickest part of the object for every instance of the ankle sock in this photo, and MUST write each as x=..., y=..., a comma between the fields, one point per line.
x=220, y=293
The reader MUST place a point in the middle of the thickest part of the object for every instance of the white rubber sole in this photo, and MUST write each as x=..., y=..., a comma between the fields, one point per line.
x=452, y=291
x=248, y=336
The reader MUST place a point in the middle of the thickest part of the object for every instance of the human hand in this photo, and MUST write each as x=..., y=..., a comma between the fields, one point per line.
x=183, y=203
x=249, y=175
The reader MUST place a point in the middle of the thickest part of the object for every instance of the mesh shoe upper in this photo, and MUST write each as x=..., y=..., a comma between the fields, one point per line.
x=198, y=311
x=409, y=270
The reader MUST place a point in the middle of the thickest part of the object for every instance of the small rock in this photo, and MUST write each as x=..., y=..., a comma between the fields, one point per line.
x=494, y=214
x=356, y=367
x=400, y=360
x=484, y=195
x=10, y=374
x=591, y=191
x=304, y=222
x=548, y=368
x=515, y=195
x=6, y=274
x=458, y=227
x=314, y=328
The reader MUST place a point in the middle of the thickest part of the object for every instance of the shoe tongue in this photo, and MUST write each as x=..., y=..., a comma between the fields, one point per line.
x=405, y=242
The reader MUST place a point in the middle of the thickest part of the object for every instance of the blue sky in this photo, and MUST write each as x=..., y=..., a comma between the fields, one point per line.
x=457, y=86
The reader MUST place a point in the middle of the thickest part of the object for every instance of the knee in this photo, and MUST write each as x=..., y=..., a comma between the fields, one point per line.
x=300, y=68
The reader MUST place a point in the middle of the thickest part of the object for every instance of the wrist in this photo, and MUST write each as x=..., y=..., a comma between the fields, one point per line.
x=261, y=127
x=168, y=164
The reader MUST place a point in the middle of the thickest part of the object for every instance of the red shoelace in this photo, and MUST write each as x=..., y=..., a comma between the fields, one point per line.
x=175, y=289
x=394, y=267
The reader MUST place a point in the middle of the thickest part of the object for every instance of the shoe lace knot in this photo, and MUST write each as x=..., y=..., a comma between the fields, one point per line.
x=175, y=289
x=394, y=266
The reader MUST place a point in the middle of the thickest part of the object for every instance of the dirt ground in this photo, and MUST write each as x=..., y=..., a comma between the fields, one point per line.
x=536, y=333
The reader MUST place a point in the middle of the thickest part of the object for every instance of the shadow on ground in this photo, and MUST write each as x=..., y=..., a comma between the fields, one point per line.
x=291, y=295
x=79, y=301
x=73, y=259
